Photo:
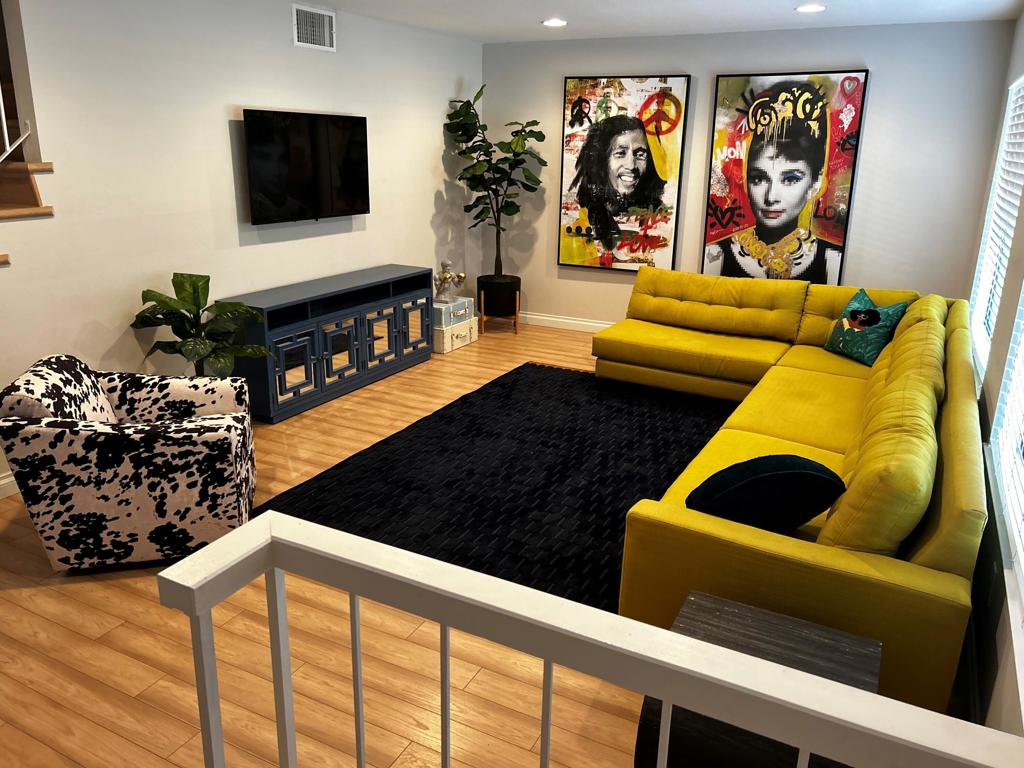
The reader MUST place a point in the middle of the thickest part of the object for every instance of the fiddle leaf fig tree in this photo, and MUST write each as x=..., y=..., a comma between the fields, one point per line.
x=496, y=171
x=209, y=337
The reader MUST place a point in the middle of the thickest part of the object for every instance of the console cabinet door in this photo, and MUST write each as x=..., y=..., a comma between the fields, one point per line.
x=381, y=336
x=339, y=345
x=415, y=324
x=296, y=366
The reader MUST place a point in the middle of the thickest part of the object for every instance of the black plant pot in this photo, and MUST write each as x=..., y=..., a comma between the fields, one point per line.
x=496, y=294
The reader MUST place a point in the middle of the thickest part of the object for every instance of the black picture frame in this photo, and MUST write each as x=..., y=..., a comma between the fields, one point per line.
x=804, y=73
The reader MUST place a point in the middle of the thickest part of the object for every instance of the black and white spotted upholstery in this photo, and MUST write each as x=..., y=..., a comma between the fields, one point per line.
x=126, y=467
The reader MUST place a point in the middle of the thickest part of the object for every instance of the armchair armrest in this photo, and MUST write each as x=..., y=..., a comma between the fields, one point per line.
x=918, y=614
x=101, y=493
x=145, y=397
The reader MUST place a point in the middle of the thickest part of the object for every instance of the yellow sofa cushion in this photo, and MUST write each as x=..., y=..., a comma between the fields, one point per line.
x=737, y=358
x=768, y=309
x=959, y=316
x=889, y=471
x=817, y=409
x=825, y=303
x=730, y=446
x=930, y=307
x=947, y=539
x=918, y=351
x=808, y=358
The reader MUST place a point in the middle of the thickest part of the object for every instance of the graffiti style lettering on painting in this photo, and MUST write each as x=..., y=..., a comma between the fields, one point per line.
x=828, y=212
x=848, y=143
x=643, y=241
x=724, y=215
x=579, y=112
x=735, y=152
x=661, y=113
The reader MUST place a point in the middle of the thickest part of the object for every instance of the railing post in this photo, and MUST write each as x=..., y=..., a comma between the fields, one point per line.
x=545, y=713
x=3, y=122
x=446, y=697
x=205, y=659
x=663, y=733
x=357, y=680
x=280, y=656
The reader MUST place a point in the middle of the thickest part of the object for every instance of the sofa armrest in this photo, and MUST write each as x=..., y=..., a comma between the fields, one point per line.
x=918, y=614
x=101, y=493
x=142, y=397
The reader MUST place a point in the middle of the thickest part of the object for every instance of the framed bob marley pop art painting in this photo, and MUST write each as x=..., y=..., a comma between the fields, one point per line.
x=622, y=151
x=780, y=183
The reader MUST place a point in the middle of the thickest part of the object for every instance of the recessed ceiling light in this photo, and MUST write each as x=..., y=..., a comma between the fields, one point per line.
x=554, y=22
x=810, y=8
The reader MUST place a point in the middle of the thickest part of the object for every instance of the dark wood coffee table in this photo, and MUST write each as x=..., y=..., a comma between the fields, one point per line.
x=697, y=740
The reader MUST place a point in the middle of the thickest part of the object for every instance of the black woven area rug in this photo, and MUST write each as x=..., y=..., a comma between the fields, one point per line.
x=528, y=478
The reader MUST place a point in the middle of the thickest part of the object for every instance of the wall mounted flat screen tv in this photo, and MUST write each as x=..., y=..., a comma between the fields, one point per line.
x=305, y=166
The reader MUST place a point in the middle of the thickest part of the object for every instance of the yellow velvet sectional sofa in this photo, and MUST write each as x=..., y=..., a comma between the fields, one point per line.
x=894, y=556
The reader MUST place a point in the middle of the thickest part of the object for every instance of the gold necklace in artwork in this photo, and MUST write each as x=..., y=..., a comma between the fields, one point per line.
x=776, y=259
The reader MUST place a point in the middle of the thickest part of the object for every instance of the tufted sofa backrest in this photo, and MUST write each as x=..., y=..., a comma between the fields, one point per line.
x=767, y=309
x=826, y=302
x=59, y=387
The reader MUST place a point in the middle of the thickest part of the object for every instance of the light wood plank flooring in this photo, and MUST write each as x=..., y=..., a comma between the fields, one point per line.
x=95, y=673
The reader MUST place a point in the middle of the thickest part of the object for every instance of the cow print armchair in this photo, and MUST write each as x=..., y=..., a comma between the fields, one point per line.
x=125, y=467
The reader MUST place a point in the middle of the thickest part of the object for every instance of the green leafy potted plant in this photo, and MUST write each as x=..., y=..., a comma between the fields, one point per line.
x=496, y=173
x=209, y=337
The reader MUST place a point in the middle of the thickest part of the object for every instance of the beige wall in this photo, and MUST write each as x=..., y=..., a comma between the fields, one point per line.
x=138, y=107
x=934, y=93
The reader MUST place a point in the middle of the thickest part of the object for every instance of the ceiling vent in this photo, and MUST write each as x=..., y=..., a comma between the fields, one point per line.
x=313, y=28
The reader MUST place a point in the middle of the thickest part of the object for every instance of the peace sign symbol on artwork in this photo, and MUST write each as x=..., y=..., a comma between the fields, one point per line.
x=661, y=113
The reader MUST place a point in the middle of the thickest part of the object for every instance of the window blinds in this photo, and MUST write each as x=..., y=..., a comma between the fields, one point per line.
x=1008, y=436
x=1000, y=223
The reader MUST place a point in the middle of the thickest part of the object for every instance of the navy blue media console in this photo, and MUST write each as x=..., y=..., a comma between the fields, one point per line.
x=333, y=335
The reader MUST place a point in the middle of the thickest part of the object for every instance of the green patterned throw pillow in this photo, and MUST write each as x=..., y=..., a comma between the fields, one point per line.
x=863, y=329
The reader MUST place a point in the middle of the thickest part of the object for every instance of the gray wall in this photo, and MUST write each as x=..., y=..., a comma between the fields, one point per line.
x=934, y=96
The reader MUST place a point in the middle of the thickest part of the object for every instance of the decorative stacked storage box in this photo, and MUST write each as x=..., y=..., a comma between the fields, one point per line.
x=455, y=324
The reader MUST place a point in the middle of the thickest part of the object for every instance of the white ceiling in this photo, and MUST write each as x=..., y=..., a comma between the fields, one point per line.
x=494, y=21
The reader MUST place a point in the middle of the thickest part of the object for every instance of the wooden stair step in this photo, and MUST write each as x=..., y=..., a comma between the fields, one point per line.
x=21, y=166
x=13, y=211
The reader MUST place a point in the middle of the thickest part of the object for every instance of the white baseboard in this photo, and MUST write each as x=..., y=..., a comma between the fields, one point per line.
x=7, y=485
x=567, y=323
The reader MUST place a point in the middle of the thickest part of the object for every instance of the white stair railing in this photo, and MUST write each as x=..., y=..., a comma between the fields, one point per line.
x=815, y=715
x=8, y=145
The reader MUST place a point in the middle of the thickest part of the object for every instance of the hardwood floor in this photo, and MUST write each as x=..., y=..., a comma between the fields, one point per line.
x=94, y=672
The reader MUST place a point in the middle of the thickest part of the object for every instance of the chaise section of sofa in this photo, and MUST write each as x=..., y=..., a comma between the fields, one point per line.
x=894, y=557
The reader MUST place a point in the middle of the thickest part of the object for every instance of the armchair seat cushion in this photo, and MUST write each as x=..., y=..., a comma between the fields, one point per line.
x=142, y=397
x=666, y=347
